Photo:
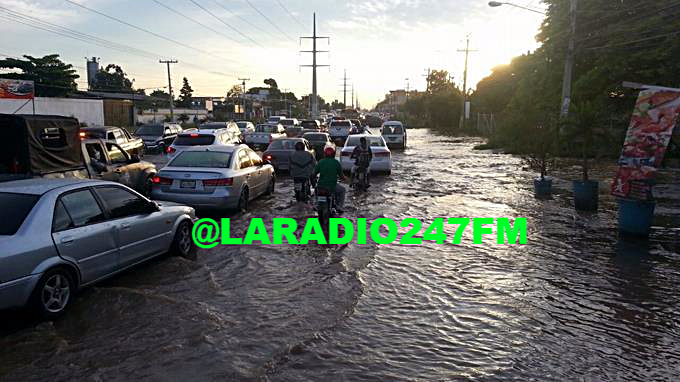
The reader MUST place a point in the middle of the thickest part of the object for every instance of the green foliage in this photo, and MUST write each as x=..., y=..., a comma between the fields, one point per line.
x=185, y=94
x=183, y=118
x=615, y=41
x=271, y=82
x=112, y=78
x=52, y=77
x=440, y=108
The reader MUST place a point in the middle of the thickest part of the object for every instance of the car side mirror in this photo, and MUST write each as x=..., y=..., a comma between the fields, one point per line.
x=134, y=158
x=153, y=207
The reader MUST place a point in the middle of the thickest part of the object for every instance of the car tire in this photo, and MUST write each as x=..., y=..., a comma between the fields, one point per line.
x=271, y=186
x=243, y=201
x=389, y=172
x=148, y=184
x=182, y=243
x=53, y=294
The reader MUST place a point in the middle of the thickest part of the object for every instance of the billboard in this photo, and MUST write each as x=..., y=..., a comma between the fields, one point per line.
x=16, y=89
x=650, y=130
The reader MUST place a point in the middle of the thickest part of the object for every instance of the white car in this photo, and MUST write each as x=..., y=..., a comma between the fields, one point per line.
x=191, y=138
x=382, y=156
x=339, y=129
x=275, y=119
x=394, y=134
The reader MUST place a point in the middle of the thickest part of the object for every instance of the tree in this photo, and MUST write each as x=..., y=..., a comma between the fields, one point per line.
x=112, y=78
x=52, y=77
x=235, y=91
x=438, y=81
x=185, y=94
x=271, y=82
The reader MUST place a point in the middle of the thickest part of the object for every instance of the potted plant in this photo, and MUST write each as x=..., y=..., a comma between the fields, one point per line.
x=581, y=132
x=540, y=158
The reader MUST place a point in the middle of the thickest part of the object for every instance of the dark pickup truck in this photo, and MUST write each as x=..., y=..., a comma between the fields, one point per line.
x=51, y=146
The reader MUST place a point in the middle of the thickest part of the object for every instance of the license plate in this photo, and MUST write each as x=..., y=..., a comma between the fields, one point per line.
x=322, y=199
x=188, y=184
x=298, y=186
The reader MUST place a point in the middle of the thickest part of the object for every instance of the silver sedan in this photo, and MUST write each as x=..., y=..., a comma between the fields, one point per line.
x=59, y=235
x=215, y=177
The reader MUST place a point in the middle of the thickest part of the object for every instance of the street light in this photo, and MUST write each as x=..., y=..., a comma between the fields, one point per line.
x=498, y=4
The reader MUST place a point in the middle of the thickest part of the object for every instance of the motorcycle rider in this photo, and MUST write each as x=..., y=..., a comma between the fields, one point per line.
x=302, y=163
x=330, y=170
x=362, y=156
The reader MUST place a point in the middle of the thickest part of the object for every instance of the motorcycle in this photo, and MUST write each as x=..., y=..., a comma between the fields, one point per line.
x=302, y=189
x=324, y=205
x=361, y=179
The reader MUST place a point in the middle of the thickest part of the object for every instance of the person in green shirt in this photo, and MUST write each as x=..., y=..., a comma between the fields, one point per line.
x=330, y=170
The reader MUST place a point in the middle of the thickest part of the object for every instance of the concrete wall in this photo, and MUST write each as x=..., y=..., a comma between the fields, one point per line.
x=147, y=116
x=89, y=111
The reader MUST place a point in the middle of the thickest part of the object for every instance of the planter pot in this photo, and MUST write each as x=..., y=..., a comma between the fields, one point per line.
x=585, y=195
x=543, y=187
x=636, y=216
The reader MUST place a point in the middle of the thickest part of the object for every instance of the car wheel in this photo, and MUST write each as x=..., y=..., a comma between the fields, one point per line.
x=182, y=244
x=389, y=172
x=243, y=201
x=148, y=184
x=53, y=293
x=272, y=185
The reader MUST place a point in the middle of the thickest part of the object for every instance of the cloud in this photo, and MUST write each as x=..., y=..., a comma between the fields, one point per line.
x=44, y=10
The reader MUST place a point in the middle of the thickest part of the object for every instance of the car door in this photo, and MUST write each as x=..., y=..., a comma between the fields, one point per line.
x=261, y=176
x=142, y=232
x=82, y=234
x=246, y=173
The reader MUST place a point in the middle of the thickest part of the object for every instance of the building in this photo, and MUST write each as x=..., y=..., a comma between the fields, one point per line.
x=394, y=100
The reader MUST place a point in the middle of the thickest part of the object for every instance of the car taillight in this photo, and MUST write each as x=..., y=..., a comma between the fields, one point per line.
x=345, y=153
x=267, y=157
x=385, y=154
x=82, y=135
x=170, y=150
x=218, y=182
x=160, y=180
x=270, y=139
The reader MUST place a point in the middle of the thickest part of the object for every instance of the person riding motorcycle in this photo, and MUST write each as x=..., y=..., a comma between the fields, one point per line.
x=330, y=170
x=302, y=163
x=362, y=156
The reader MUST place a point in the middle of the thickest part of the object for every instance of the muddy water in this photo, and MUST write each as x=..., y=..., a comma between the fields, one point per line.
x=576, y=303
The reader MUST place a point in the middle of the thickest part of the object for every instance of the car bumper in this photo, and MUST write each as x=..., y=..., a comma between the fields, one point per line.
x=15, y=293
x=376, y=165
x=218, y=200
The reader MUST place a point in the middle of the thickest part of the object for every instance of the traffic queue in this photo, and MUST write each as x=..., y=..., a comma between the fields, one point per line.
x=80, y=205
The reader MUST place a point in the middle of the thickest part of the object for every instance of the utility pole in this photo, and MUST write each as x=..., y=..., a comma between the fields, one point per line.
x=569, y=63
x=244, y=95
x=172, y=106
x=344, y=90
x=467, y=51
x=352, y=96
x=427, y=79
x=314, y=51
x=408, y=88
x=285, y=100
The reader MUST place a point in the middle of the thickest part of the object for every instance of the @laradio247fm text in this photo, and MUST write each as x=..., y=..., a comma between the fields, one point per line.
x=208, y=233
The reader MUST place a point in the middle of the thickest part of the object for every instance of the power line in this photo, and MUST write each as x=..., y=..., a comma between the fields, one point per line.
x=243, y=19
x=195, y=21
x=290, y=14
x=636, y=41
x=268, y=20
x=225, y=23
x=146, y=30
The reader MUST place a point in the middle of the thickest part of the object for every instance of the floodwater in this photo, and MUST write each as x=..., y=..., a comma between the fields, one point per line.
x=575, y=303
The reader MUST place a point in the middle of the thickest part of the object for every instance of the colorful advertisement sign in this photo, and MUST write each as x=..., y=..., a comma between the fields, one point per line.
x=649, y=132
x=16, y=89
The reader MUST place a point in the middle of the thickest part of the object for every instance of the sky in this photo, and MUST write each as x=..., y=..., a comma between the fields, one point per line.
x=380, y=43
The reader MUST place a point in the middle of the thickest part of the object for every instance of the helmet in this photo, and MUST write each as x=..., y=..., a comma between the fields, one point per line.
x=299, y=146
x=329, y=151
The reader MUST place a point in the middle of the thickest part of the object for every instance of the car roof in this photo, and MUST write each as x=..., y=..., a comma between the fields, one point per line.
x=98, y=128
x=393, y=123
x=39, y=186
x=203, y=132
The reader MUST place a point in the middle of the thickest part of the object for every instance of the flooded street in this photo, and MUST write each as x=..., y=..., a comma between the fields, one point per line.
x=575, y=303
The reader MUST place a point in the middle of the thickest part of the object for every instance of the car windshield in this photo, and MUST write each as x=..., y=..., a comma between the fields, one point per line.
x=287, y=122
x=315, y=137
x=242, y=125
x=194, y=140
x=265, y=128
x=341, y=124
x=15, y=208
x=309, y=124
x=374, y=141
x=283, y=144
x=211, y=159
x=155, y=130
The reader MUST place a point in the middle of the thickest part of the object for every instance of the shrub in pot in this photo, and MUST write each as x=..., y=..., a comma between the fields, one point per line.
x=541, y=158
